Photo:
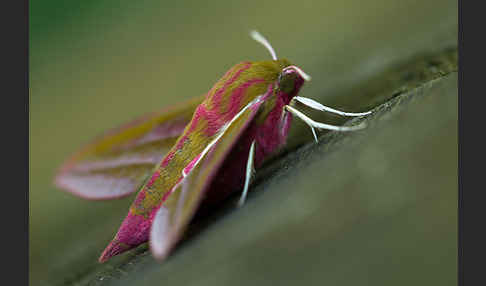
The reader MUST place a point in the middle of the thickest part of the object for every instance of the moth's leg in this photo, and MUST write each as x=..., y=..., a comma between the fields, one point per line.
x=250, y=170
x=314, y=124
x=318, y=106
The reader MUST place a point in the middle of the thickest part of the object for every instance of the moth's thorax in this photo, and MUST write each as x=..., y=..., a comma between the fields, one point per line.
x=276, y=80
x=247, y=80
x=269, y=129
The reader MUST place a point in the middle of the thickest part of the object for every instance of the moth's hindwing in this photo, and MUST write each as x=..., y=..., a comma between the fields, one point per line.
x=117, y=163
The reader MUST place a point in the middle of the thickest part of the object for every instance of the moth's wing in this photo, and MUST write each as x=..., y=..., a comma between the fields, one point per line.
x=117, y=163
x=176, y=212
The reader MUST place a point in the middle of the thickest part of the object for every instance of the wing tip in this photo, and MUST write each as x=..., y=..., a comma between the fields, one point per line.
x=107, y=253
x=114, y=248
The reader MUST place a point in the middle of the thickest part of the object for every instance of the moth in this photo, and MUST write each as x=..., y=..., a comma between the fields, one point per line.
x=196, y=153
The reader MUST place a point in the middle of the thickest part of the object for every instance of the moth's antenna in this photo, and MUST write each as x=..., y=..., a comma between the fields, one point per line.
x=261, y=39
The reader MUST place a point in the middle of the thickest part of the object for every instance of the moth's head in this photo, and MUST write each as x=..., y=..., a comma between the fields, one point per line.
x=289, y=78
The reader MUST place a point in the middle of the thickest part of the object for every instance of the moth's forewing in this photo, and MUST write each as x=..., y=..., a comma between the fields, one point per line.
x=176, y=212
x=117, y=163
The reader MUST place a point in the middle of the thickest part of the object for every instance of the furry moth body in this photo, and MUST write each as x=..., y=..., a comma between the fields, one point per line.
x=196, y=153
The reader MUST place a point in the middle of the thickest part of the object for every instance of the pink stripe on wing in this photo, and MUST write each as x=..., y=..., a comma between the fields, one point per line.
x=218, y=95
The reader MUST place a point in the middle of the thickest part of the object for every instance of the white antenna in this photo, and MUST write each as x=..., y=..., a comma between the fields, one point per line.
x=261, y=39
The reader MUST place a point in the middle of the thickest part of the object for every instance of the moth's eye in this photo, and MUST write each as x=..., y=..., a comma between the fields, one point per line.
x=286, y=81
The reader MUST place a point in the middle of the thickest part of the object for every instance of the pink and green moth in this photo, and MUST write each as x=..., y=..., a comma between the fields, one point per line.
x=193, y=154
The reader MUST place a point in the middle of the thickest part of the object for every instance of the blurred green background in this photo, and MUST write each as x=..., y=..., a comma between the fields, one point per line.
x=97, y=64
